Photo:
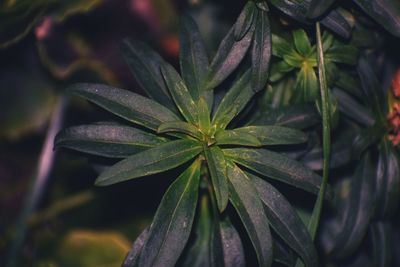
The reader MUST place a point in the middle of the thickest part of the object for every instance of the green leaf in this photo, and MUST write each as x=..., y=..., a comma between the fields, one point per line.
x=274, y=135
x=229, y=55
x=294, y=116
x=318, y=7
x=340, y=53
x=155, y=160
x=126, y=104
x=180, y=93
x=180, y=127
x=233, y=102
x=193, y=59
x=232, y=245
x=301, y=42
x=382, y=243
x=245, y=20
x=173, y=220
x=217, y=168
x=296, y=9
x=285, y=221
x=234, y=137
x=281, y=47
x=261, y=52
x=204, y=117
x=279, y=70
x=132, y=259
x=306, y=86
x=276, y=166
x=337, y=23
x=107, y=140
x=145, y=64
x=387, y=185
x=245, y=199
x=357, y=217
x=385, y=12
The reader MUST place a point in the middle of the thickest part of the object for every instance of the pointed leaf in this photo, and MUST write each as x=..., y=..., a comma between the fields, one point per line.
x=296, y=9
x=301, y=42
x=281, y=47
x=229, y=55
x=155, y=160
x=276, y=166
x=306, y=86
x=107, y=140
x=318, y=8
x=382, y=243
x=234, y=137
x=217, y=168
x=261, y=53
x=338, y=24
x=339, y=53
x=385, y=12
x=233, y=102
x=173, y=220
x=132, y=259
x=126, y=104
x=193, y=59
x=180, y=93
x=204, y=116
x=244, y=21
x=285, y=221
x=232, y=245
x=245, y=199
x=180, y=127
x=274, y=135
x=145, y=65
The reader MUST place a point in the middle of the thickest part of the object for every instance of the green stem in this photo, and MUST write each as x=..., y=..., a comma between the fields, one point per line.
x=326, y=133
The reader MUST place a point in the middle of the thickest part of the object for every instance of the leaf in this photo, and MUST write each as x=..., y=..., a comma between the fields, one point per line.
x=361, y=207
x=385, y=12
x=180, y=127
x=245, y=20
x=306, y=86
x=382, y=243
x=296, y=9
x=204, y=117
x=274, y=135
x=338, y=24
x=180, y=93
x=366, y=138
x=193, y=59
x=233, y=102
x=232, y=245
x=145, y=65
x=318, y=7
x=155, y=160
x=261, y=52
x=173, y=220
x=351, y=108
x=301, y=42
x=294, y=116
x=339, y=53
x=107, y=140
x=276, y=166
x=229, y=55
x=234, y=137
x=244, y=197
x=217, y=168
x=387, y=185
x=279, y=70
x=281, y=47
x=285, y=221
x=126, y=104
x=132, y=259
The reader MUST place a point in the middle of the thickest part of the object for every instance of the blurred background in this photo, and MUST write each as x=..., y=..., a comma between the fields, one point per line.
x=46, y=45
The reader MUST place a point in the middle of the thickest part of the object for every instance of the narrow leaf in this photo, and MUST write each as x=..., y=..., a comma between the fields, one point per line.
x=301, y=42
x=274, y=135
x=180, y=127
x=382, y=243
x=296, y=9
x=180, y=93
x=247, y=203
x=276, y=166
x=244, y=21
x=261, y=52
x=126, y=104
x=338, y=24
x=145, y=66
x=229, y=55
x=232, y=245
x=107, y=140
x=306, y=86
x=285, y=221
x=132, y=259
x=234, y=137
x=318, y=7
x=155, y=160
x=173, y=220
x=204, y=117
x=281, y=47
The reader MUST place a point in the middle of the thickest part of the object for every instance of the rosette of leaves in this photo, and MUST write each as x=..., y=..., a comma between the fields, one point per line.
x=300, y=57
x=371, y=197
x=227, y=168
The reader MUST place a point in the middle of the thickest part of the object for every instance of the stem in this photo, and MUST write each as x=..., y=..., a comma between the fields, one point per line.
x=326, y=133
x=40, y=179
